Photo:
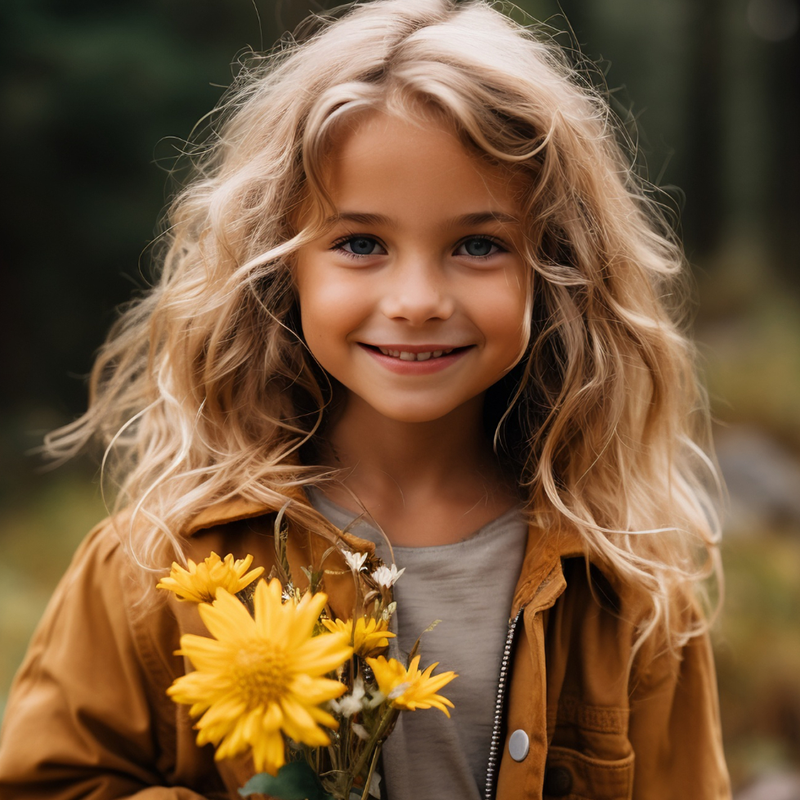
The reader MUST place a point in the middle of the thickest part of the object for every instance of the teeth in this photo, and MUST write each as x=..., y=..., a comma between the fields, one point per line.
x=404, y=355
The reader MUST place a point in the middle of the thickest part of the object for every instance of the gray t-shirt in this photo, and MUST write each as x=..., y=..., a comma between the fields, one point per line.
x=469, y=586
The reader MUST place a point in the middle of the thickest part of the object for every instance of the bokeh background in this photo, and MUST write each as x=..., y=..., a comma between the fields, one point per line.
x=95, y=101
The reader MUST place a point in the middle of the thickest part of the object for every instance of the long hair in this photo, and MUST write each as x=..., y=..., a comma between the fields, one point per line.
x=205, y=389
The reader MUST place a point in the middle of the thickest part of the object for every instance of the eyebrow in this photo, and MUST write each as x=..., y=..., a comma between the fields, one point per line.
x=361, y=219
x=464, y=221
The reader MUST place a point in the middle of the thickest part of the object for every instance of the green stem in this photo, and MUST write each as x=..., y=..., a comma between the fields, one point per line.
x=386, y=720
x=372, y=765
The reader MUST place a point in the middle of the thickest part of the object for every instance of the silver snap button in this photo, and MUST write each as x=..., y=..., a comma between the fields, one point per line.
x=518, y=745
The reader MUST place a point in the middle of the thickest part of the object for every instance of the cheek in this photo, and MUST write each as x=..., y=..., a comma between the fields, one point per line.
x=503, y=312
x=328, y=306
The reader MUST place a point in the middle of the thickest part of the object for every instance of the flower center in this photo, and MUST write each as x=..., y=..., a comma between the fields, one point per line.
x=260, y=673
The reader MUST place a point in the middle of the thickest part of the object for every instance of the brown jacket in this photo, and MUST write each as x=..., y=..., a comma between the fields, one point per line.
x=88, y=715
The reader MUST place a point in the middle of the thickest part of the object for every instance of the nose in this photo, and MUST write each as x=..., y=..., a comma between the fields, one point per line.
x=417, y=291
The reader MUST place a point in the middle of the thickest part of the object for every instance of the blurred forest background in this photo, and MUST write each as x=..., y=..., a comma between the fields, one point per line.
x=96, y=98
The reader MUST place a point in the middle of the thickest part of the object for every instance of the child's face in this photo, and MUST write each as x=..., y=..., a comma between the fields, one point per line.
x=415, y=297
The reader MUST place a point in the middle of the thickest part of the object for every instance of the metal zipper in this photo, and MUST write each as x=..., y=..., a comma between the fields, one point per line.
x=494, y=746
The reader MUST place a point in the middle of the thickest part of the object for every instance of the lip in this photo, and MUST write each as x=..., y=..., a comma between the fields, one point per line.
x=400, y=367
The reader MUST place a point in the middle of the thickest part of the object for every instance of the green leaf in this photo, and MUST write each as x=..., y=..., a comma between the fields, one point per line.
x=295, y=781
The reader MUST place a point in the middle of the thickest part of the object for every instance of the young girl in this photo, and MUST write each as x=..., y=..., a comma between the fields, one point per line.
x=413, y=287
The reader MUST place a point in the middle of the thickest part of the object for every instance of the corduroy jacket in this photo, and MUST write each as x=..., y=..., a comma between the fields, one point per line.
x=88, y=714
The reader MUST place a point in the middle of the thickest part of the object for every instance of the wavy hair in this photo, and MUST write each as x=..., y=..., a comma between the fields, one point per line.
x=205, y=389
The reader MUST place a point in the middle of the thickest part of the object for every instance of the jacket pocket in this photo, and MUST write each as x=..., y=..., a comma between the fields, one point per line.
x=570, y=775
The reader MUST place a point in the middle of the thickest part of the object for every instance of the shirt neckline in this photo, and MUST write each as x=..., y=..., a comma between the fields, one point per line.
x=322, y=502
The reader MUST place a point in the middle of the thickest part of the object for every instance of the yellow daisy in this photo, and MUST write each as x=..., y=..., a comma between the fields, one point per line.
x=370, y=635
x=200, y=582
x=409, y=688
x=261, y=676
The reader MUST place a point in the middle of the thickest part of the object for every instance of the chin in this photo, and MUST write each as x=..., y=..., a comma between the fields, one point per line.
x=413, y=413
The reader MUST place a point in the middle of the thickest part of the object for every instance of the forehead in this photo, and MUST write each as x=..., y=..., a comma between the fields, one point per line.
x=398, y=163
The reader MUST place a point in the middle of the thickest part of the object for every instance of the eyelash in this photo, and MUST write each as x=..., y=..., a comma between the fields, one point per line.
x=501, y=248
x=338, y=245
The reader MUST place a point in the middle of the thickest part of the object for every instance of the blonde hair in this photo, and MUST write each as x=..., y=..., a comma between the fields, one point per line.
x=205, y=389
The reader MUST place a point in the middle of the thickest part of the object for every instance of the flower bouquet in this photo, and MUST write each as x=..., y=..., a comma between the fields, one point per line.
x=310, y=697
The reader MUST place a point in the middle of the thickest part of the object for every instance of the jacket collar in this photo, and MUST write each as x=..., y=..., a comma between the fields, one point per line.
x=541, y=566
x=233, y=509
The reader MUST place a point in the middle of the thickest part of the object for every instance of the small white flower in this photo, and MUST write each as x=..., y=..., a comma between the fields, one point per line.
x=360, y=731
x=398, y=690
x=355, y=560
x=352, y=703
x=387, y=576
x=387, y=612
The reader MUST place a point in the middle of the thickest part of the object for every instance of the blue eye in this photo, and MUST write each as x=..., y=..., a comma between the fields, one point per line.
x=478, y=247
x=359, y=246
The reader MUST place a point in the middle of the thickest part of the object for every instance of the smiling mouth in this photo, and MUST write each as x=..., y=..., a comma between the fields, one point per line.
x=404, y=355
x=407, y=355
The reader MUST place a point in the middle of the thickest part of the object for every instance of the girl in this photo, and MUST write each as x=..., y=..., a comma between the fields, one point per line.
x=413, y=286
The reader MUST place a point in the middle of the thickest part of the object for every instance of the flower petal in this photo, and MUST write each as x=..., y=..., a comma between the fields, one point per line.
x=259, y=678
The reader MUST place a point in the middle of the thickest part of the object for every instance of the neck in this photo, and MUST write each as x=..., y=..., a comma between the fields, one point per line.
x=402, y=471
x=362, y=440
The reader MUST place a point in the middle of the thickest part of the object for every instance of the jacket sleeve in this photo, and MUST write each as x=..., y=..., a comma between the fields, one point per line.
x=81, y=717
x=675, y=729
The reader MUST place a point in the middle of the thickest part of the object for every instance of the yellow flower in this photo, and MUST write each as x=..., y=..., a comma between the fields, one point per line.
x=409, y=688
x=200, y=582
x=370, y=634
x=259, y=677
